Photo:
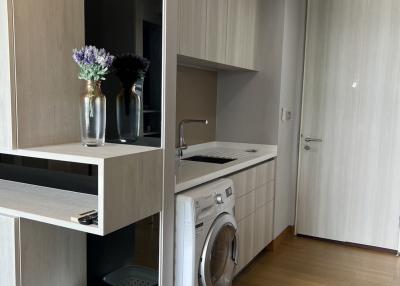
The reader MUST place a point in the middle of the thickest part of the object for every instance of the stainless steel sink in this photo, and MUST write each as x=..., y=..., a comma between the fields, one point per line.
x=209, y=159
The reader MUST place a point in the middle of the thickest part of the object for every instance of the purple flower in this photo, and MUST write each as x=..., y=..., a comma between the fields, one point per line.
x=78, y=56
x=104, y=59
x=94, y=63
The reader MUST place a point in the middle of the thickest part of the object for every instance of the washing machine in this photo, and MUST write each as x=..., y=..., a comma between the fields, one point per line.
x=206, y=243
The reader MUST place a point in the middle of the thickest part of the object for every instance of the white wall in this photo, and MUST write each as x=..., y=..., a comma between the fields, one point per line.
x=290, y=99
x=249, y=104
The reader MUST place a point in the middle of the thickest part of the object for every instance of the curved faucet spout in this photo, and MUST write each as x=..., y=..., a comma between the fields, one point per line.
x=182, y=144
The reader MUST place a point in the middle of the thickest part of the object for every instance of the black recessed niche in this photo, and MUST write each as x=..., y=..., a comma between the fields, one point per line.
x=130, y=27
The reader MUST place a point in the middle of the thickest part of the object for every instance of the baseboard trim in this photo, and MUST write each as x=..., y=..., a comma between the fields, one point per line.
x=350, y=244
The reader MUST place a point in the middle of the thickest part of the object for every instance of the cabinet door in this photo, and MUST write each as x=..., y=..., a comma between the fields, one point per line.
x=217, y=12
x=47, y=84
x=246, y=241
x=263, y=222
x=9, y=261
x=192, y=28
x=242, y=33
x=51, y=255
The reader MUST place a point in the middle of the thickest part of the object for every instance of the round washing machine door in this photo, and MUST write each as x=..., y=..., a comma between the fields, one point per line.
x=220, y=253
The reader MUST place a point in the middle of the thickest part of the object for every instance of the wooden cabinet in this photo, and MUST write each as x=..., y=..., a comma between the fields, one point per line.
x=192, y=28
x=219, y=32
x=254, y=210
x=246, y=231
x=242, y=33
x=263, y=222
x=38, y=78
x=217, y=12
x=34, y=253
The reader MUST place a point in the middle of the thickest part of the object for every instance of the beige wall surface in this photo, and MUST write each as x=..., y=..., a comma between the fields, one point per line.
x=196, y=98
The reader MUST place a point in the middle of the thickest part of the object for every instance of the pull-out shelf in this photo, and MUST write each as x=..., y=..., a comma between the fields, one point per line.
x=129, y=187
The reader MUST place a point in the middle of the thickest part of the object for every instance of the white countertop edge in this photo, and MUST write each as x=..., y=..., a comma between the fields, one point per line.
x=223, y=172
x=75, y=152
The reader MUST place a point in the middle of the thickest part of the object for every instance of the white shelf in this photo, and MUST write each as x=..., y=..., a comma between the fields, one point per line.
x=47, y=205
x=75, y=152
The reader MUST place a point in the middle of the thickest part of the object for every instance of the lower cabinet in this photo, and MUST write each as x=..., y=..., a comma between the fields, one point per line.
x=246, y=232
x=254, y=211
x=33, y=253
x=263, y=222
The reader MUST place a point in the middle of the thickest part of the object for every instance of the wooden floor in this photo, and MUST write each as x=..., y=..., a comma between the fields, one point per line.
x=309, y=262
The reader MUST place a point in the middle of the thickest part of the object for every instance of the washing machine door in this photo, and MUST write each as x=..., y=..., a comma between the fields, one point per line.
x=220, y=253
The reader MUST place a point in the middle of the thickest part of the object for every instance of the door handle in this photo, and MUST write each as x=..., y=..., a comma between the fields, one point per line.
x=235, y=251
x=308, y=139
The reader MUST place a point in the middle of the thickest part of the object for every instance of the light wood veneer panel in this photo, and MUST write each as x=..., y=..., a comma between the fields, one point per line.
x=7, y=96
x=216, y=33
x=263, y=224
x=241, y=33
x=264, y=194
x=240, y=183
x=47, y=87
x=132, y=188
x=245, y=205
x=246, y=241
x=192, y=28
x=9, y=254
x=51, y=255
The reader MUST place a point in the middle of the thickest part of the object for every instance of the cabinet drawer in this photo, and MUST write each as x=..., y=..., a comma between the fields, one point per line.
x=245, y=205
x=240, y=183
x=263, y=223
x=264, y=173
x=246, y=242
x=265, y=193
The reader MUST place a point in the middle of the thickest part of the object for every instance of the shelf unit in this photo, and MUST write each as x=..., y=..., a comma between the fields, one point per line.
x=129, y=187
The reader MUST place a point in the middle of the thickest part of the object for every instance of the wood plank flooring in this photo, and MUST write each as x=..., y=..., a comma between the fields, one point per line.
x=308, y=262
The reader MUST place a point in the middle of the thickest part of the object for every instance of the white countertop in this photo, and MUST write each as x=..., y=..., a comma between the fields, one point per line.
x=190, y=174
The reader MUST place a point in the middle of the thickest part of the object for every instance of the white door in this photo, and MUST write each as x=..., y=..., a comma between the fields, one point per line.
x=349, y=179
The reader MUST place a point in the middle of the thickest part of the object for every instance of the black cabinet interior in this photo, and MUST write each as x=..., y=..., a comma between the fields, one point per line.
x=130, y=27
x=76, y=177
x=136, y=244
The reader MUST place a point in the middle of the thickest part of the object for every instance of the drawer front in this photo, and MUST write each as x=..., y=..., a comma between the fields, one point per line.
x=264, y=173
x=263, y=226
x=265, y=193
x=271, y=170
x=246, y=242
x=240, y=183
x=245, y=205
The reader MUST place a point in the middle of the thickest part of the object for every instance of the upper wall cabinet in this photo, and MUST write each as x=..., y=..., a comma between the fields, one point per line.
x=192, y=28
x=221, y=33
x=39, y=88
x=216, y=30
x=242, y=33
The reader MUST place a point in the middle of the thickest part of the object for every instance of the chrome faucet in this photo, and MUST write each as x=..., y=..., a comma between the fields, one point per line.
x=182, y=144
